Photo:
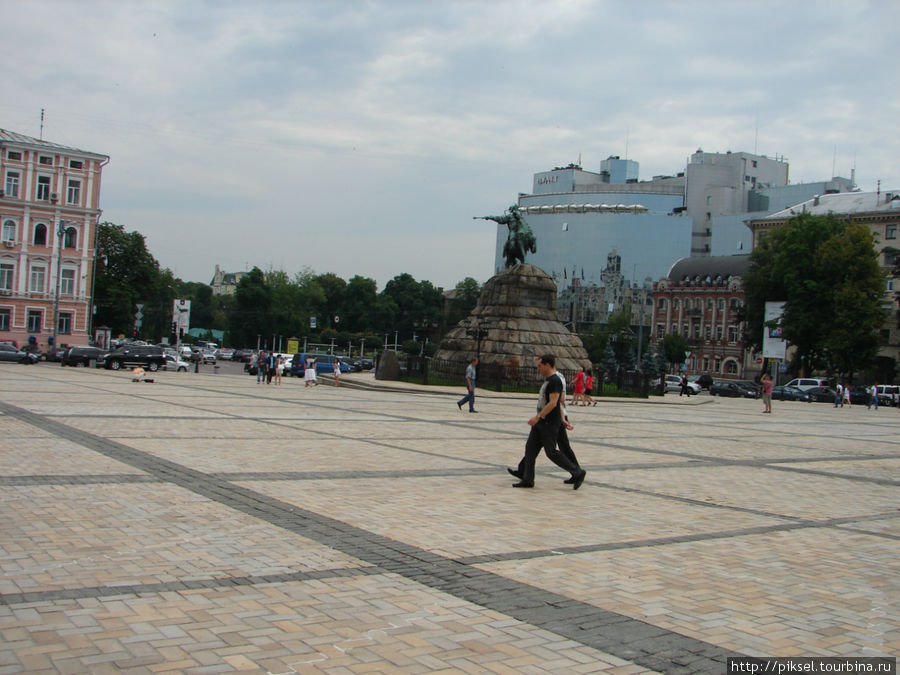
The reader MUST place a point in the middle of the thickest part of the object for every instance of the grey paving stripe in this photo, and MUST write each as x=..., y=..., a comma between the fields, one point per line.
x=643, y=643
x=838, y=523
x=28, y=597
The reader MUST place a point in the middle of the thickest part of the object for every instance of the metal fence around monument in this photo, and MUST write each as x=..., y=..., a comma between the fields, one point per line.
x=516, y=378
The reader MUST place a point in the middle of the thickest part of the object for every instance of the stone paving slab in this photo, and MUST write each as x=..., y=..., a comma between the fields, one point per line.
x=492, y=512
x=381, y=623
x=803, y=592
x=48, y=455
x=766, y=489
x=304, y=455
x=204, y=523
x=58, y=537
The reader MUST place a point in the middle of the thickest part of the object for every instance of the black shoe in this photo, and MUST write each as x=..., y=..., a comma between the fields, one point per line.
x=514, y=473
x=475, y=411
x=459, y=405
x=569, y=480
x=578, y=479
x=523, y=484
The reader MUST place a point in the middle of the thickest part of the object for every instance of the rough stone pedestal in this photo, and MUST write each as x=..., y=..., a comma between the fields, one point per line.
x=517, y=309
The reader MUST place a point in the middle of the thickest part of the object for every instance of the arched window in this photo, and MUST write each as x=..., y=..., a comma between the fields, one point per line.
x=731, y=367
x=662, y=303
x=71, y=238
x=40, y=235
x=9, y=231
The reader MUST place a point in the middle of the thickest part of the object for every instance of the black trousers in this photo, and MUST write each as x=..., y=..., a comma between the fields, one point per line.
x=562, y=442
x=544, y=436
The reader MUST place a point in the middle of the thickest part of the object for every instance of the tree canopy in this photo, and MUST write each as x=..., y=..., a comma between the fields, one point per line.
x=826, y=272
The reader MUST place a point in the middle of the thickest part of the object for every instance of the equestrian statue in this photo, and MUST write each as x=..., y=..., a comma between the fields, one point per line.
x=520, y=240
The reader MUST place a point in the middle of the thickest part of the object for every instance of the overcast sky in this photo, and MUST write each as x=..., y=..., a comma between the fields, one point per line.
x=361, y=137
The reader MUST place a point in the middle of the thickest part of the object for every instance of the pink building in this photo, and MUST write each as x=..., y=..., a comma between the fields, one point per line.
x=49, y=209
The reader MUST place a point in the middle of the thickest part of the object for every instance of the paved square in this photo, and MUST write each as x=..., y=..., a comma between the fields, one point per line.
x=207, y=524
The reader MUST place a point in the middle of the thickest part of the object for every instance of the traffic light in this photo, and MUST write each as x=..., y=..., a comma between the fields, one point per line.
x=174, y=326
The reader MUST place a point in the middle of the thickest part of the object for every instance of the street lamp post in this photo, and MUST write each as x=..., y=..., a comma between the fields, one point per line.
x=60, y=233
x=474, y=329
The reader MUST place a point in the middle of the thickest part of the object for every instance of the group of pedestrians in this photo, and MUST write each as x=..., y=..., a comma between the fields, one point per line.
x=269, y=367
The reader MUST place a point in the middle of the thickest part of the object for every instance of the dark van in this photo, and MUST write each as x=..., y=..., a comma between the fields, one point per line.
x=324, y=364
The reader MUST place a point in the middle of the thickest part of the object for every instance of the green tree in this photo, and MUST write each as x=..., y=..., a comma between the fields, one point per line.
x=465, y=298
x=674, y=347
x=331, y=303
x=359, y=311
x=595, y=343
x=608, y=362
x=250, y=316
x=416, y=304
x=826, y=272
x=126, y=275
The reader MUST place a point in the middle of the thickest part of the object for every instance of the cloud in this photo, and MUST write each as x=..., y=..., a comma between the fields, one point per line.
x=360, y=137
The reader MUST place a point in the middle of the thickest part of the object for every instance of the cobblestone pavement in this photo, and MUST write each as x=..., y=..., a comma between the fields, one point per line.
x=207, y=524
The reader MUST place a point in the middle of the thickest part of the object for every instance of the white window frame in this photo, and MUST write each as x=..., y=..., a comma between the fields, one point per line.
x=44, y=189
x=7, y=276
x=64, y=326
x=12, y=183
x=9, y=230
x=32, y=314
x=37, y=273
x=73, y=191
x=67, y=281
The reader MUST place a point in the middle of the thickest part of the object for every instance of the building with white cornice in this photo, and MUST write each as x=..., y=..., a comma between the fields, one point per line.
x=49, y=209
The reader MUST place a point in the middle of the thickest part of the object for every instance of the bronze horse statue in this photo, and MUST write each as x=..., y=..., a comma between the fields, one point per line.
x=520, y=240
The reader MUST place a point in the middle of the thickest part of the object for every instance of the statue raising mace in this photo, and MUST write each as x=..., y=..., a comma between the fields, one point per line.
x=520, y=240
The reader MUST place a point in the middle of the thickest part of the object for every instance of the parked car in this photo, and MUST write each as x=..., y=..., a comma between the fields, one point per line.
x=705, y=381
x=673, y=383
x=733, y=389
x=225, y=354
x=888, y=394
x=176, y=364
x=242, y=355
x=806, y=383
x=208, y=357
x=786, y=393
x=859, y=395
x=81, y=356
x=362, y=364
x=10, y=353
x=821, y=394
x=146, y=356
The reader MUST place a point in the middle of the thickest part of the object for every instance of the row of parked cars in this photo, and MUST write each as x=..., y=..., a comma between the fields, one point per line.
x=808, y=389
x=295, y=364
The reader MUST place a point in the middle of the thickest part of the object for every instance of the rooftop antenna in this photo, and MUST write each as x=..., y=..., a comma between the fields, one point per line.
x=41, y=137
x=756, y=135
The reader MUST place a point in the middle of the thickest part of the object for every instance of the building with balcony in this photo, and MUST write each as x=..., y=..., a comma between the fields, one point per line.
x=49, y=208
x=700, y=299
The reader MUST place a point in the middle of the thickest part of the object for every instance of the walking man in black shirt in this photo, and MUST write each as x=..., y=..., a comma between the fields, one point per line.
x=545, y=429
